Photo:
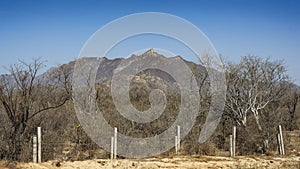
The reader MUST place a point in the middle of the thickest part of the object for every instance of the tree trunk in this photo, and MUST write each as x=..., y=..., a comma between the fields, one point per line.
x=15, y=146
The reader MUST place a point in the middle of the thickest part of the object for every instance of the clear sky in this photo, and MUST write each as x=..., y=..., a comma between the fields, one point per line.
x=56, y=30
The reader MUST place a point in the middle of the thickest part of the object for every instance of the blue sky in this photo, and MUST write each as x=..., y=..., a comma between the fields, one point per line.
x=56, y=30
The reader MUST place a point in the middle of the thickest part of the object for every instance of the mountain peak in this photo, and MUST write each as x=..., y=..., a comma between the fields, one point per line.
x=151, y=52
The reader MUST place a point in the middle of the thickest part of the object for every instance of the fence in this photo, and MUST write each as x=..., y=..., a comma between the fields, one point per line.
x=67, y=149
x=64, y=148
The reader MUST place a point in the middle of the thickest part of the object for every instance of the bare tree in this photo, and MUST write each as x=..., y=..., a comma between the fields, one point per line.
x=24, y=94
x=291, y=102
x=252, y=85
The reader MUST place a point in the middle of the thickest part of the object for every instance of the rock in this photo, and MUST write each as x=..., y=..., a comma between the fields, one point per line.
x=56, y=163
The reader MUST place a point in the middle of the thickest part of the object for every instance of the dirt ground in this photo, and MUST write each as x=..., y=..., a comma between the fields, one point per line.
x=205, y=162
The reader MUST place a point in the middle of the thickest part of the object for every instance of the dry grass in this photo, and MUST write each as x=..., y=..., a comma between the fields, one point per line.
x=184, y=162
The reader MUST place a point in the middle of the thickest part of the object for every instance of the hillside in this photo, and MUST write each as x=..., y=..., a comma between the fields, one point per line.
x=64, y=137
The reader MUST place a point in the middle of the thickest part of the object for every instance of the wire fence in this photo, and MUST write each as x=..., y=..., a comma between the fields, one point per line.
x=80, y=147
x=62, y=149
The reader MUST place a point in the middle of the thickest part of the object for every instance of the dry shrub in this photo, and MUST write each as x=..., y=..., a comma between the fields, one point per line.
x=271, y=153
x=208, y=148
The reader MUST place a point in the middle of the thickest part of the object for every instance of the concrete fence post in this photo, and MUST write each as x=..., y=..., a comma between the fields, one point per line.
x=112, y=148
x=230, y=142
x=115, y=142
x=281, y=140
x=39, y=141
x=279, y=144
x=176, y=144
x=233, y=141
x=34, y=149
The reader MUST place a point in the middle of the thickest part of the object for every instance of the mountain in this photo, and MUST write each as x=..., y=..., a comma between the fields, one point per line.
x=107, y=67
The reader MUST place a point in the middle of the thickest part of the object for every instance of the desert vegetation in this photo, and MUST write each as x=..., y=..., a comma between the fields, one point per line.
x=260, y=96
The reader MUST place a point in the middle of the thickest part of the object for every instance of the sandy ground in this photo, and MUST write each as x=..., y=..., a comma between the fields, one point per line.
x=190, y=162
